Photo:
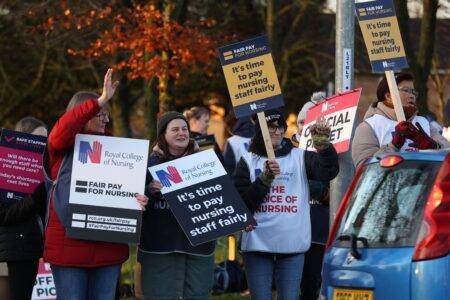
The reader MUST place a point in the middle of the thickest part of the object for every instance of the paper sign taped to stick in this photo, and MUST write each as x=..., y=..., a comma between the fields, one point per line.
x=202, y=197
x=251, y=76
x=44, y=286
x=382, y=37
x=107, y=174
x=339, y=111
x=20, y=164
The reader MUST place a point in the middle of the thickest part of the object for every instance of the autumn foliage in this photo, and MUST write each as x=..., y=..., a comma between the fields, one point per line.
x=141, y=41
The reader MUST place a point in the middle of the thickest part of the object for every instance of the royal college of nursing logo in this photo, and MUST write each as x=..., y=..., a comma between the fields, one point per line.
x=171, y=175
x=94, y=153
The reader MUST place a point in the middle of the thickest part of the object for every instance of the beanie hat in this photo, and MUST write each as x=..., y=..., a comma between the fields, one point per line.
x=166, y=118
x=273, y=115
x=316, y=98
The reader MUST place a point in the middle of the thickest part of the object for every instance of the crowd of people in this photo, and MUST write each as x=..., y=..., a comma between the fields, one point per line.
x=288, y=197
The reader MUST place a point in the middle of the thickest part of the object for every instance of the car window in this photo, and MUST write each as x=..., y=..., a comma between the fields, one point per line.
x=387, y=204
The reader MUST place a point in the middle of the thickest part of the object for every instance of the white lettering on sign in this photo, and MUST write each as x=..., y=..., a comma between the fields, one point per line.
x=346, y=69
x=111, y=227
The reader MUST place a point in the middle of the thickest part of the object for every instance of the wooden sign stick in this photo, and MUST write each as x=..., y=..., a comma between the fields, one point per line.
x=395, y=95
x=266, y=135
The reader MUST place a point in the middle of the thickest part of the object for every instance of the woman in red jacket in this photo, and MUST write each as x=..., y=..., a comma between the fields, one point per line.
x=82, y=269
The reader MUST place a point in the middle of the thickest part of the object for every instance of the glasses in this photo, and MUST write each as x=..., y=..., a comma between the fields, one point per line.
x=273, y=129
x=410, y=91
x=103, y=116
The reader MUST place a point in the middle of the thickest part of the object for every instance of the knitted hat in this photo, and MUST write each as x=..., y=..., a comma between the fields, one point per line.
x=166, y=118
x=316, y=98
x=273, y=115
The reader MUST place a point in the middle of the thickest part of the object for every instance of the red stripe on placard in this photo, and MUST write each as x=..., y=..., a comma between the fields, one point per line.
x=333, y=104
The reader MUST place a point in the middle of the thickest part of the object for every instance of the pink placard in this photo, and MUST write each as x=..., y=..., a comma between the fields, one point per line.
x=21, y=159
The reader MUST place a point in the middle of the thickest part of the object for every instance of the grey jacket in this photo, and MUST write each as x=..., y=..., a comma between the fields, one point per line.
x=365, y=143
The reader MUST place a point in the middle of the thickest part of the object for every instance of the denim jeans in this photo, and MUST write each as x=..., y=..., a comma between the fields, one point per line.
x=176, y=276
x=262, y=268
x=86, y=283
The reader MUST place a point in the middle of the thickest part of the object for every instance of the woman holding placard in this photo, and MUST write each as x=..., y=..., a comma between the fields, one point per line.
x=21, y=232
x=171, y=267
x=277, y=193
x=81, y=269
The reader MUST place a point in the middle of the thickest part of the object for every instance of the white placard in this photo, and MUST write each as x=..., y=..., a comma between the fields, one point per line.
x=189, y=170
x=108, y=171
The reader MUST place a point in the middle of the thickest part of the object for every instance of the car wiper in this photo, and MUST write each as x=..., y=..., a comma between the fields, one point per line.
x=354, y=243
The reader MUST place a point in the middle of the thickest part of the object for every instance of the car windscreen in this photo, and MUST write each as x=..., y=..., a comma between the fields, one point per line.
x=386, y=207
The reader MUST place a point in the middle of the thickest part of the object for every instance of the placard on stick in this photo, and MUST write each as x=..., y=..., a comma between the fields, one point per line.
x=339, y=112
x=252, y=80
x=202, y=197
x=384, y=44
x=20, y=164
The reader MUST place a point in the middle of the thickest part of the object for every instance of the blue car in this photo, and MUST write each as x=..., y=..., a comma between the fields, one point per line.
x=391, y=235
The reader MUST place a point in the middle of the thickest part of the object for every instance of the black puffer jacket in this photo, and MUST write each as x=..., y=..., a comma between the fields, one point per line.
x=21, y=229
x=322, y=166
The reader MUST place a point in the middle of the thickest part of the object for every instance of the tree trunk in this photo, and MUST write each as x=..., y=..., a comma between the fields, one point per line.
x=420, y=65
x=166, y=101
x=151, y=107
x=121, y=109
x=426, y=49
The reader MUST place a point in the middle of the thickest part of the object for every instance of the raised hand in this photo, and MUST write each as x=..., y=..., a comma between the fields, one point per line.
x=109, y=88
x=320, y=134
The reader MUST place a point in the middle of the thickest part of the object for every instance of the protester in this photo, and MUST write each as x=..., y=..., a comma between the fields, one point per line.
x=171, y=267
x=81, y=269
x=380, y=132
x=316, y=99
x=21, y=231
x=238, y=143
x=276, y=191
x=320, y=214
x=198, y=120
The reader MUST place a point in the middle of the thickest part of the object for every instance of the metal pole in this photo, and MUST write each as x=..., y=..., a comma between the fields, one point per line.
x=344, y=80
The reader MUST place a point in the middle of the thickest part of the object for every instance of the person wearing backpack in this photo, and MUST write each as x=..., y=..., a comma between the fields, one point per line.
x=276, y=192
x=82, y=269
x=21, y=232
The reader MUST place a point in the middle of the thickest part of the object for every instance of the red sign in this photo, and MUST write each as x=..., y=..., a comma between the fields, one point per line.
x=339, y=111
x=44, y=287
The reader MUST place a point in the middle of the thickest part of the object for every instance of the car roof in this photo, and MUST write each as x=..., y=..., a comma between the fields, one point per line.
x=431, y=155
